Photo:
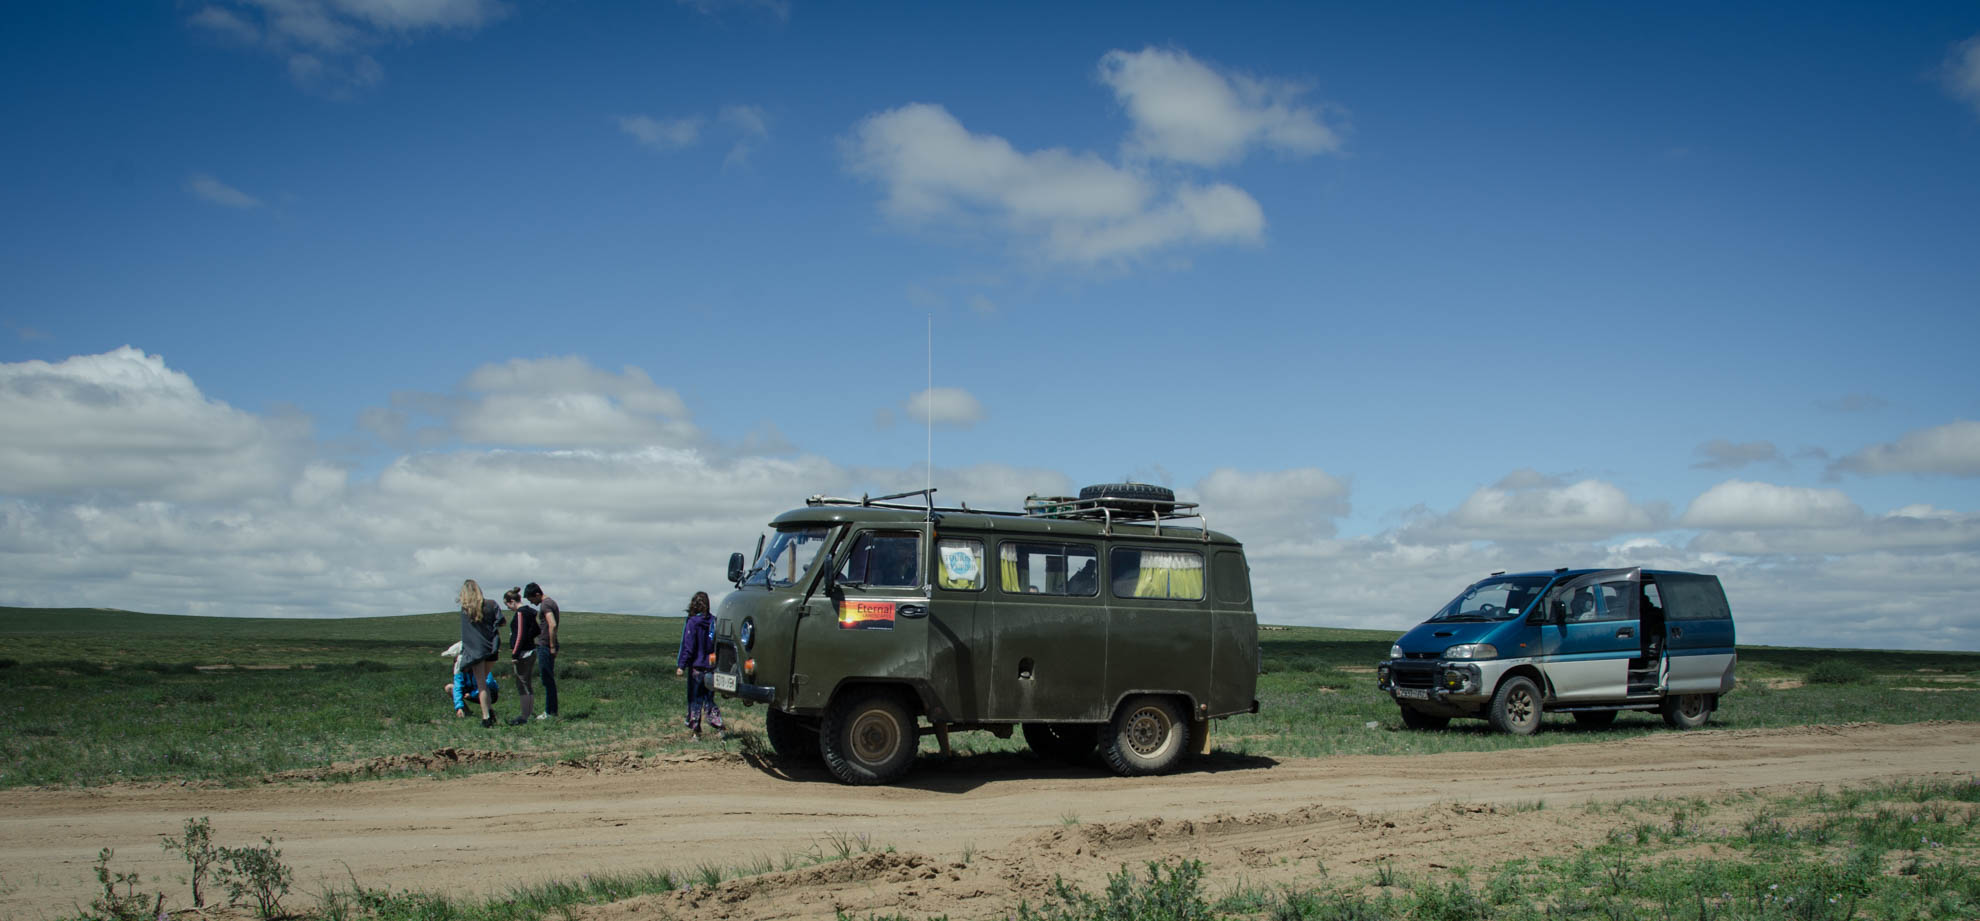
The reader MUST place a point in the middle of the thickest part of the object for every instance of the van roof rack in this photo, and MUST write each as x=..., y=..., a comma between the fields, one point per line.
x=1107, y=510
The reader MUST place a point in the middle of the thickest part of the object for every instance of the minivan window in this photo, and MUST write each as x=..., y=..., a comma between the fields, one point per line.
x=884, y=559
x=1032, y=568
x=1693, y=597
x=1175, y=574
x=1493, y=599
x=960, y=564
x=788, y=557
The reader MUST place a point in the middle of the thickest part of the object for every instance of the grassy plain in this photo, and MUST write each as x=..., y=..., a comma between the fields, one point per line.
x=93, y=697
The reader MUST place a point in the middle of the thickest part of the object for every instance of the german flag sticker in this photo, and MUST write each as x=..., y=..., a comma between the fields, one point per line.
x=866, y=615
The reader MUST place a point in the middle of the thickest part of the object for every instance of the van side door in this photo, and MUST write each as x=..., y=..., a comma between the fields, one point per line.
x=1699, y=637
x=1049, y=652
x=870, y=617
x=1595, y=622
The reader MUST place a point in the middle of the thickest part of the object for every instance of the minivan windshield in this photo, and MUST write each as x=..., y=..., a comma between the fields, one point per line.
x=1497, y=598
x=788, y=557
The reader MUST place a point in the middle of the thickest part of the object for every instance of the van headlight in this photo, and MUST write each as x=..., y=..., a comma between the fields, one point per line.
x=1472, y=651
x=747, y=635
x=1395, y=651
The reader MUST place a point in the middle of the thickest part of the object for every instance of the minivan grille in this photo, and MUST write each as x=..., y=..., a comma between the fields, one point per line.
x=1413, y=677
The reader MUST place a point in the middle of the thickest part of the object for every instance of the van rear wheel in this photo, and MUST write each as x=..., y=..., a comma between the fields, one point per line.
x=1516, y=707
x=1417, y=719
x=1686, y=711
x=789, y=736
x=1148, y=736
x=1068, y=742
x=869, y=738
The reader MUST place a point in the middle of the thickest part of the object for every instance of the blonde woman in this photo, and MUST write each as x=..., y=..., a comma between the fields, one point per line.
x=480, y=644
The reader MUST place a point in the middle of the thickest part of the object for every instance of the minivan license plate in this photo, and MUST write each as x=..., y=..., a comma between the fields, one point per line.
x=724, y=682
x=1411, y=693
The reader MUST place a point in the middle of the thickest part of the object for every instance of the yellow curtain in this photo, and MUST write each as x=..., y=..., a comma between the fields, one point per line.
x=1170, y=575
x=1153, y=581
x=1008, y=555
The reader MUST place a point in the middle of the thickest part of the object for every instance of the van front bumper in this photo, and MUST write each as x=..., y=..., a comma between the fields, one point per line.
x=1437, y=680
x=719, y=682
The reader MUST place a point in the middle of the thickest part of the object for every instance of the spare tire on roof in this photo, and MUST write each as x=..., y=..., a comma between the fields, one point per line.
x=1142, y=498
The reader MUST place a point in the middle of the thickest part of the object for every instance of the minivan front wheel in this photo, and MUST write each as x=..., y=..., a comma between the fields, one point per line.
x=868, y=738
x=1148, y=736
x=1687, y=711
x=1516, y=707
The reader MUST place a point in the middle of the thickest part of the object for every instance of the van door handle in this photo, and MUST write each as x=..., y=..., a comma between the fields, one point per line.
x=911, y=610
x=1677, y=633
x=1625, y=632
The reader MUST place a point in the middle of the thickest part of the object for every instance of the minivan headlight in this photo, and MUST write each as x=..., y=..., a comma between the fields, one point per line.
x=1395, y=651
x=1472, y=651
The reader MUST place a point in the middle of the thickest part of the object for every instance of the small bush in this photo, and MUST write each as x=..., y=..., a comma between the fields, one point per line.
x=129, y=905
x=196, y=846
x=256, y=873
x=1837, y=671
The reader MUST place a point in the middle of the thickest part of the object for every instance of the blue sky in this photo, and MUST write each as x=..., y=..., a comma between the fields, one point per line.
x=583, y=293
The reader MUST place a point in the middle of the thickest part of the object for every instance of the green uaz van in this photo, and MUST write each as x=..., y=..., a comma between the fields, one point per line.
x=1093, y=623
x=1591, y=643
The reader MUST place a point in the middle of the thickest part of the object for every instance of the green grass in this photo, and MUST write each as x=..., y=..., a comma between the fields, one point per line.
x=93, y=697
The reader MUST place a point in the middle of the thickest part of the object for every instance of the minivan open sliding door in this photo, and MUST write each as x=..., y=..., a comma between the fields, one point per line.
x=1594, y=621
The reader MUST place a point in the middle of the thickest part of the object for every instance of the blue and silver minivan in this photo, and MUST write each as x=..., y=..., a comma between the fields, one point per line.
x=1591, y=643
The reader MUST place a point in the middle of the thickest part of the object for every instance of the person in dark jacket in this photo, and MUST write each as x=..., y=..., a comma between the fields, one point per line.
x=549, y=616
x=481, y=622
x=523, y=627
x=697, y=659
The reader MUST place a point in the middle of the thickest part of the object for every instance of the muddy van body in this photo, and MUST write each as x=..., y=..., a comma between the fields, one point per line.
x=1591, y=643
x=1092, y=623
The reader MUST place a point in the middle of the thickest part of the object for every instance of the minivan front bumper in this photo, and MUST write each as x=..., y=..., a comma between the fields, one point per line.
x=1437, y=680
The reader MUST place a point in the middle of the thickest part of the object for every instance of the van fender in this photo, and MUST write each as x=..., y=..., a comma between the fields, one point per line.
x=1190, y=706
x=915, y=691
x=1532, y=672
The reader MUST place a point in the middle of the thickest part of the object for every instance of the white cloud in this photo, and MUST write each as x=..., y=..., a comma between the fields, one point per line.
x=662, y=134
x=213, y=190
x=1185, y=111
x=324, y=43
x=1529, y=506
x=124, y=421
x=751, y=126
x=944, y=406
x=1952, y=449
x=1746, y=505
x=1962, y=72
x=565, y=401
x=1721, y=454
x=778, y=9
x=1074, y=207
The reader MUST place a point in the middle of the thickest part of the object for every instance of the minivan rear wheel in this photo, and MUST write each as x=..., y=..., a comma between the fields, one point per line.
x=1148, y=736
x=789, y=736
x=1069, y=742
x=869, y=738
x=1516, y=707
x=1417, y=719
x=1686, y=711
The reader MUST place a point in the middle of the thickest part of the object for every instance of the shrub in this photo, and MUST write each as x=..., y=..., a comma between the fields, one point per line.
x=196, y=846
x=256, y=873
x=1837, y=671
x=130, y=905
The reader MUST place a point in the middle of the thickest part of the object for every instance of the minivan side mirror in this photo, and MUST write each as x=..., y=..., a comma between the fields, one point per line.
x=1557, y=611
x=735, y=567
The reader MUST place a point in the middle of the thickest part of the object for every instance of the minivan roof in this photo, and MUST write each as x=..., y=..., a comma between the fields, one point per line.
x=1570, y=573
x=1006, y=521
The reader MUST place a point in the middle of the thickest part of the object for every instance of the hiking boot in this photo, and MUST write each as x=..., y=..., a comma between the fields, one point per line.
x=518, y=721
x=487, y=721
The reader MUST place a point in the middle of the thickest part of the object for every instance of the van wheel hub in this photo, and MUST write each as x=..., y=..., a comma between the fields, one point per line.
x=1148, y=731
x=875, y=736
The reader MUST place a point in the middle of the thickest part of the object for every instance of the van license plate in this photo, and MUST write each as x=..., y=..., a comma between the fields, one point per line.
x=724, y=682
x=1413, y=693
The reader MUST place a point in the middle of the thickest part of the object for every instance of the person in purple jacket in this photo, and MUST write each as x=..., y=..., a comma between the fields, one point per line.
x=696, y=661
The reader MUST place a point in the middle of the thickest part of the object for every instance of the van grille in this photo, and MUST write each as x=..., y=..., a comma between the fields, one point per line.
x=725, y=656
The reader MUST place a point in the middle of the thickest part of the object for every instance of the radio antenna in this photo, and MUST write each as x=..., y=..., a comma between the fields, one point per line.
x=930, y=472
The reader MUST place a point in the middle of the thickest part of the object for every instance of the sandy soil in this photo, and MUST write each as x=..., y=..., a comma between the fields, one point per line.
x=969, y=836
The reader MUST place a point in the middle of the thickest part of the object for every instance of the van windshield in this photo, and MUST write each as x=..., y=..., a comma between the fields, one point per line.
x=1497, y=598
x=788, y=557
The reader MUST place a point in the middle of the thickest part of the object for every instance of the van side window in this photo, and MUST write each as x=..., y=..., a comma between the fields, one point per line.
x=1693, y=597
x=1034, y=568
x=884, y=559
x=959, y=564
x=1176, y=574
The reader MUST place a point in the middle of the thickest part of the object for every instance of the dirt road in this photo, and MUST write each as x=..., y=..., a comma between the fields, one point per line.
x=967, y=835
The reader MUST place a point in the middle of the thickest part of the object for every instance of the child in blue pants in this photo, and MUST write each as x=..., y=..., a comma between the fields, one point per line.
x=696, y=660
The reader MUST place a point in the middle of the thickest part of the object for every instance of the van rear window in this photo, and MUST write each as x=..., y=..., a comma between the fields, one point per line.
x=1693, y=597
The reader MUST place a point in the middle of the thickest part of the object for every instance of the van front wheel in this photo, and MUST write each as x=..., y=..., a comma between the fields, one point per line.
x=869, y=738
x=1148, y=736
x=1686, y=711
x=1516, y=707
